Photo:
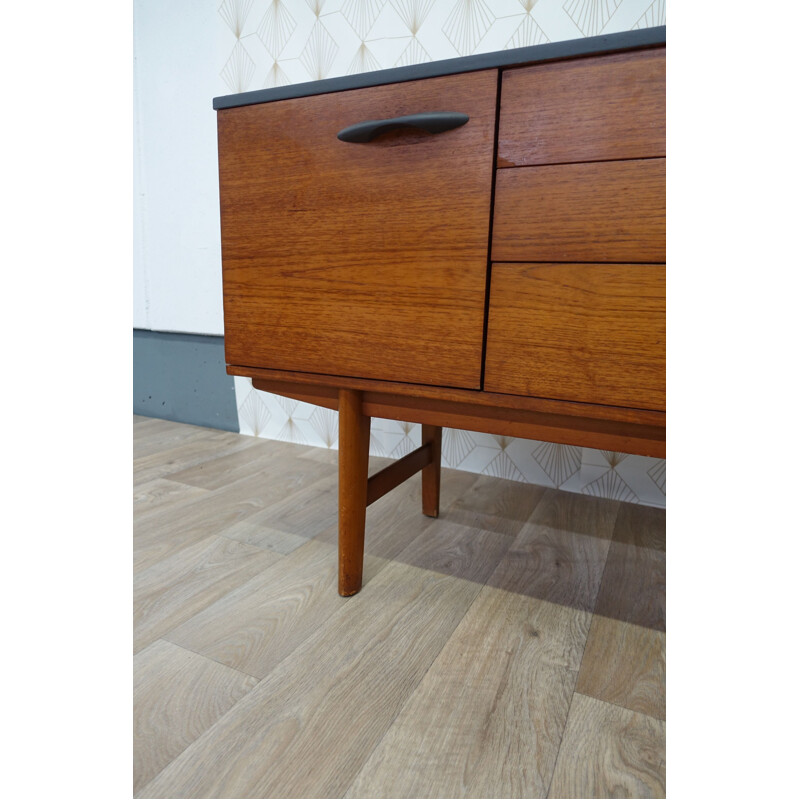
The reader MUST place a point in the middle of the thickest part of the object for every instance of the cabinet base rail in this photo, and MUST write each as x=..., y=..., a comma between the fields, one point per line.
x=634, y=432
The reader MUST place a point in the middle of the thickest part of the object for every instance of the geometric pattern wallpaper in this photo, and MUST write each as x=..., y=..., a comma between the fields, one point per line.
x=280, y=42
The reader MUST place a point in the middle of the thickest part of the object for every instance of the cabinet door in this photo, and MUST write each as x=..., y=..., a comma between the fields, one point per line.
x=592, y=333
x=365, y=260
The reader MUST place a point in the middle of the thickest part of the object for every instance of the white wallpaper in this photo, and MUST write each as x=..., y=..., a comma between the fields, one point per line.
x=277, y=42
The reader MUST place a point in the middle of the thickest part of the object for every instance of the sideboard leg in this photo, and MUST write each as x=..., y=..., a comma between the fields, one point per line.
x=353, y=464
x=431, y=475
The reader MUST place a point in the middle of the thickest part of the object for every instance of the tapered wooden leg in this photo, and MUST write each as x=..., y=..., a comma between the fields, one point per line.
x=353, y=464
x=431, y=475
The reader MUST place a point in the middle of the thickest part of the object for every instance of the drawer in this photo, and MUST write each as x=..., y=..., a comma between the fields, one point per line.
x=359, y=259
x=592, y=333
x=607, y=211
x=589, y=109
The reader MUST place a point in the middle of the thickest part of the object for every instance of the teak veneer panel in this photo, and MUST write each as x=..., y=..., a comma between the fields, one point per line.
x=590, y=332
x=359, y=259
x=607, y=211
x=590, y=109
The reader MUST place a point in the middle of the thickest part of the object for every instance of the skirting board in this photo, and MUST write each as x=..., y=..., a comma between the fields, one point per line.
x=181, y=377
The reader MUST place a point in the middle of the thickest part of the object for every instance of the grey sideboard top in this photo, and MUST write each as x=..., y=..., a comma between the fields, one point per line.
x=594, y=45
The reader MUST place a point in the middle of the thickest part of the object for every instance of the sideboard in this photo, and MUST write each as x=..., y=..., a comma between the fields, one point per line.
x=476, y=243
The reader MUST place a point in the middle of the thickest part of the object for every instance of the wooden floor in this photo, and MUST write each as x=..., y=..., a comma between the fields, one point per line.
x=512, y=648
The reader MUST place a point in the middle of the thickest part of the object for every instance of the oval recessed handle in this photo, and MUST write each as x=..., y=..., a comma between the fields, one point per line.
x=430, y=121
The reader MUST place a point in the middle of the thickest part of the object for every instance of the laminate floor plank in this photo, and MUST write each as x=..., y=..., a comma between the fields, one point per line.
x=500, y=506
x=634, y=583
x=152, y=435
x=255, y=627
x=169, y=592
x=289, y=523
x=159, y=435
x=313, y=511
x=263, y=456
x=487, y=718
x=608, y=751
x=177, y=695
x=161, y=494
x=307, y=727
x=156, y=536
x=502, y=685
x=512, y=647
x=624, y=660
x=326, y=455
x=193, y=450
x=563, y=549
x=625, y=664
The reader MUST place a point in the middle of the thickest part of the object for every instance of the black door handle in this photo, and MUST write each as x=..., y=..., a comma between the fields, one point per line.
x=430, y=121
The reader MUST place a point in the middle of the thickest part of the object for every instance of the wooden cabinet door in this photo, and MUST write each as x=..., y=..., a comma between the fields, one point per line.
x=365, y=260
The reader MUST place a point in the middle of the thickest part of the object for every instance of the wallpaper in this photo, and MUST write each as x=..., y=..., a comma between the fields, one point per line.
x=279, y=42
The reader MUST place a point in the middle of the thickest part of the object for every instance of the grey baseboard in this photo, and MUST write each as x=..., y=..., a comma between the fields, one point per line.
x=181, y=377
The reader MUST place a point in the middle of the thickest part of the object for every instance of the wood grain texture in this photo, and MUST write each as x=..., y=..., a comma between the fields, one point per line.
x=465, y=638
x=487, y=719
x=626, y=430
x=624, y=660
x=159, y=535
x=289, y=523
x=151, y=436
x=177, y=695
x=282, y=606
x=625, y=664
x=176, y=453
x=608, y=751
x=634, y=582
x=274, y=613
x=432, y=474
x=326, y=396
x=161, y=494
x=400, y=470
x=613, y=211
x=500, y=507
x=563, y=549
x=592, y=333
x=261, y=456
x=388, y=393
x=363, y=665
x=588, y=109
x=173, y=590
x=334, y=252
x=353, y=489
x=501, y=687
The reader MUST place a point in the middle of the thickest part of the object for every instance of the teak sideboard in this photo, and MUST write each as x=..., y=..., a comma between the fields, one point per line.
x=477, y=243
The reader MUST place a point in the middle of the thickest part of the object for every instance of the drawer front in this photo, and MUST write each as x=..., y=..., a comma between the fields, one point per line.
x=365, y=260
x=589, y=109
x=592, y=333
x=609, y=211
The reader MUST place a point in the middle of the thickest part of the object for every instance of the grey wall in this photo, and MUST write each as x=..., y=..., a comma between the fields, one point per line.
x=181, y=377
